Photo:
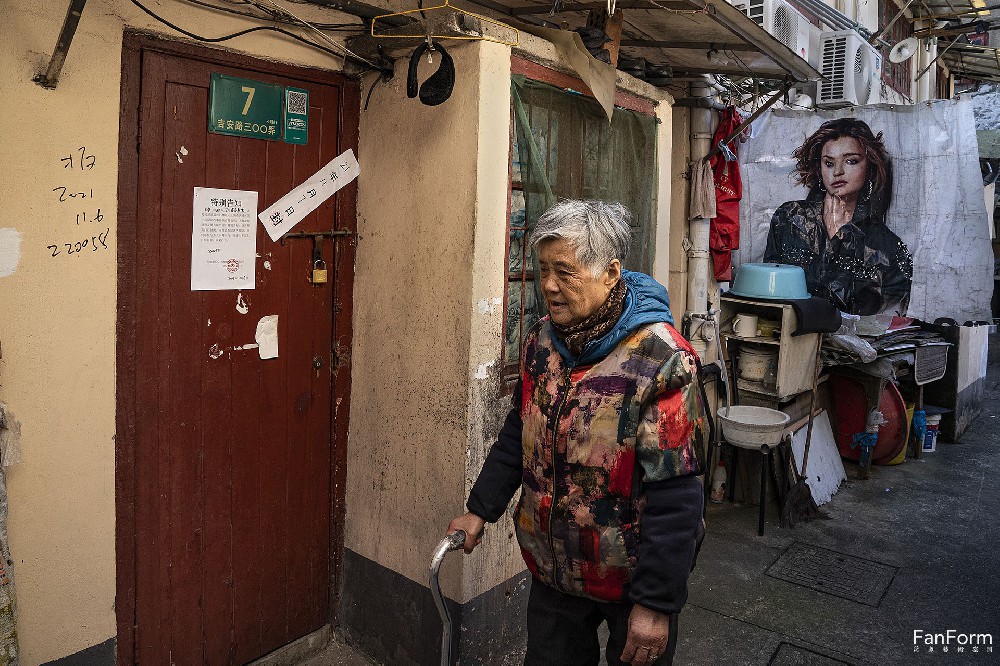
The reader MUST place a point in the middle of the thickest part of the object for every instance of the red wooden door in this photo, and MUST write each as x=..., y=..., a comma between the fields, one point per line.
x=233, y=455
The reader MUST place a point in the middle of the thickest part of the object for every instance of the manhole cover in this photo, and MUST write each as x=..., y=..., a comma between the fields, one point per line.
x=796, y=655
x=834, y=573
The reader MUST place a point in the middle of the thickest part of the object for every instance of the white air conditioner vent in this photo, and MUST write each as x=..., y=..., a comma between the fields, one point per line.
x=851, y=68
x=785, y=25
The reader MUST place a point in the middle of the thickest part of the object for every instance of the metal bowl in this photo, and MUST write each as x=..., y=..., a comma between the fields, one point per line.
x=752, y=427
x=770, y=281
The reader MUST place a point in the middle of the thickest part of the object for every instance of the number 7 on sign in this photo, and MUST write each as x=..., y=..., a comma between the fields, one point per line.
x=249, y=91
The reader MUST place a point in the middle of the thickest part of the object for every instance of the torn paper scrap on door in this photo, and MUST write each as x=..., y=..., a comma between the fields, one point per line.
x=267, y=336
x=223, y=239
x=292, y=208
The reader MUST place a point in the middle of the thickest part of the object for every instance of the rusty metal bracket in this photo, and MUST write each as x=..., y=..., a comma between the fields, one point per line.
x=50, y=77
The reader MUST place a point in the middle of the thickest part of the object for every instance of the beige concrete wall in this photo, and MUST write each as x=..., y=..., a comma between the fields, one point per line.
x=429, y=293
x=664, y=194
x=680, y=193
x=428, y=310
x=58, y=313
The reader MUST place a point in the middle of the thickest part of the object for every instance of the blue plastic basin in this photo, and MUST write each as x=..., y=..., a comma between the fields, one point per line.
x=770, y=281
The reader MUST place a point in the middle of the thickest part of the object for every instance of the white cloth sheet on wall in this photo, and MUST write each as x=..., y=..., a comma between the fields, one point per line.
x=937, y=203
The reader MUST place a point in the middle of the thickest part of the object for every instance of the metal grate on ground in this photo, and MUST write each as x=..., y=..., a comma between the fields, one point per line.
x=840, y=575
x=796, y=655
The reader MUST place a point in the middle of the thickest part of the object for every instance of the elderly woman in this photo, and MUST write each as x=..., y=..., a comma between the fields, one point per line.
x=838, y=234
x=605, y=439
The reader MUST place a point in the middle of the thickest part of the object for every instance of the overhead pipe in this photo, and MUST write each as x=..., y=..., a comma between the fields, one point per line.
x=828, y=14
x=831, y=16
x=836, y=19
x=700, y=103
x=700, y=78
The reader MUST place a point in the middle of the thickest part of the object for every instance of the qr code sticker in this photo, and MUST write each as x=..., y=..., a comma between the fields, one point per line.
x=297, y=102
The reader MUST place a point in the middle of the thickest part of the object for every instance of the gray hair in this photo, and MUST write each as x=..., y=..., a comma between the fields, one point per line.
x=599, y=231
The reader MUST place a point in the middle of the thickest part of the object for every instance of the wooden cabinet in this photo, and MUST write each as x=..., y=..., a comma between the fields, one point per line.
x=796, y=353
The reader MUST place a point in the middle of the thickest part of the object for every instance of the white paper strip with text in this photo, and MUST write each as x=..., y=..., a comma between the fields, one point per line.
x=290, y=209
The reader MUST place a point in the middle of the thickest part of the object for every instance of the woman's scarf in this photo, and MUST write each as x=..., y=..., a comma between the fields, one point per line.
x=596, y=325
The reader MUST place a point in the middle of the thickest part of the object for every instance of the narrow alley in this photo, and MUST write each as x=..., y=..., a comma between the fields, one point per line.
x=917, y=545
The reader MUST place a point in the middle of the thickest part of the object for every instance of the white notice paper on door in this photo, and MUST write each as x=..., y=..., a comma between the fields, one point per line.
x=290, y=209
x=223, y=239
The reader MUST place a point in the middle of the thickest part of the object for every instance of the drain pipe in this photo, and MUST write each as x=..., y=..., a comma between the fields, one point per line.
x=699, y=257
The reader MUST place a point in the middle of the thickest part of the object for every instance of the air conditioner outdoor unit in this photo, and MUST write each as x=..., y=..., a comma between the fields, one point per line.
x=790, y=28
x=851, y=68
x=755, y=9
x=783, y=21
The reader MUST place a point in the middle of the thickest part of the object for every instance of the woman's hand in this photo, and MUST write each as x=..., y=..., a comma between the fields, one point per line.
x=648, y=632
x=472, y=525
x=836, y=213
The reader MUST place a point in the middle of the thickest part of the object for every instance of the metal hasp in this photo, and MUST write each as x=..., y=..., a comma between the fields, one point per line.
x=453, y=541
x=51, y=76
x=334, y=233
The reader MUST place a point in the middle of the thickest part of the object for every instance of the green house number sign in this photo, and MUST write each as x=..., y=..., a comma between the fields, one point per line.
x=243, y=107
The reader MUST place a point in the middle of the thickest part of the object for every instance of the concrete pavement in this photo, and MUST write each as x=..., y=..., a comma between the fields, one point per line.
x=912, y=549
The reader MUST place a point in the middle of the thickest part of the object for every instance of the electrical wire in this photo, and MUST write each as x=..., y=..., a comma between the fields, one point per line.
x=347, y=52
x=368, y=97
x=215, y=40
x=271, y=16
x=703, y=10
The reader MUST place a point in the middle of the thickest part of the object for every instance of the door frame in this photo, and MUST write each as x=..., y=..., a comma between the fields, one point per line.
x=135, y=43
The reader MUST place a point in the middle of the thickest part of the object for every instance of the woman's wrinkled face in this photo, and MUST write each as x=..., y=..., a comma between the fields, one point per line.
x=844, y=167
x=571, y=291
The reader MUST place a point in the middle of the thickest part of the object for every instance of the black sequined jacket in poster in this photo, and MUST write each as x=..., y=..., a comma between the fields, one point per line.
x=864, y=269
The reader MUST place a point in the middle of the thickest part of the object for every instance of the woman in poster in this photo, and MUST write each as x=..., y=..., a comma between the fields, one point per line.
x=838, y=233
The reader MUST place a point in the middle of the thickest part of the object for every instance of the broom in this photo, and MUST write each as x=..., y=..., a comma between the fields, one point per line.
x=799, y=503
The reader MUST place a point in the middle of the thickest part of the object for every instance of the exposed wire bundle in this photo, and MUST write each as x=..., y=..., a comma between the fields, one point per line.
x=344, y=51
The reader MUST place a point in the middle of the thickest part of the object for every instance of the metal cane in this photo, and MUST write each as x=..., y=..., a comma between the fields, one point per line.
x=454, y=541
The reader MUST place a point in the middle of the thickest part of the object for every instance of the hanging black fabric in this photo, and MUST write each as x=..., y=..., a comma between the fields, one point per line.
x=438, y=86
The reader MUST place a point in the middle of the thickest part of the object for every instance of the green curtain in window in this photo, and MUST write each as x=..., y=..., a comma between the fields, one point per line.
x=566, y=149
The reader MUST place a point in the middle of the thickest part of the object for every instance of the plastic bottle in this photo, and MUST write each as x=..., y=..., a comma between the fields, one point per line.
x=718, y=484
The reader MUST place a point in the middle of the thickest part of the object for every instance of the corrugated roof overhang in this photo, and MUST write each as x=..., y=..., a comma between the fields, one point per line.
x=692, y=36
x=963, y=60
x=970, y=61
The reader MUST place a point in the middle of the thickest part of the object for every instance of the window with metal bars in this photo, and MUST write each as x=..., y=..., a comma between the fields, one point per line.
x=562, y=146
x=897, y=76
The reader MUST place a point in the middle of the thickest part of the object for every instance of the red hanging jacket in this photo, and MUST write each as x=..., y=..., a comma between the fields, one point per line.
x=724, y=236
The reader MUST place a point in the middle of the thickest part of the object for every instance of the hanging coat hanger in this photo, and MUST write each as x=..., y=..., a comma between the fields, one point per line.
x=511, y=40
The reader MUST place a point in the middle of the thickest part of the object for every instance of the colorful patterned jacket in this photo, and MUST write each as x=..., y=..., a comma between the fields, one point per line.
x=632, y=390
x=594, y=438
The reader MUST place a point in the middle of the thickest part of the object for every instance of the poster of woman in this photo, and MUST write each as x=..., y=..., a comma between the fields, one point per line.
x=838, y=233
x=881, y=205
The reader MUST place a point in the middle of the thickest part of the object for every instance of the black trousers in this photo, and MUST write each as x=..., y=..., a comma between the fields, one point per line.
x=562, y=630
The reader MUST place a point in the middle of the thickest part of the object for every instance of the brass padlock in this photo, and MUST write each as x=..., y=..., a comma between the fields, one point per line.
x=319, y=272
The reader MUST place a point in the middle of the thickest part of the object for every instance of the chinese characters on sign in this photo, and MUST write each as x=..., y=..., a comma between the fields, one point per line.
x=290, y=209
x=242, y=107
x=223, y=239
x=257, y=109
